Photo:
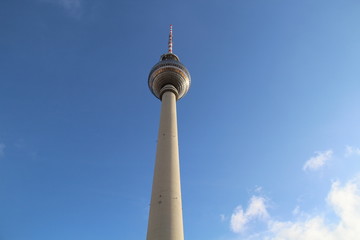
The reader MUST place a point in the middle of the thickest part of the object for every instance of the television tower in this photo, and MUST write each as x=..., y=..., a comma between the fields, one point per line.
x=169, y=80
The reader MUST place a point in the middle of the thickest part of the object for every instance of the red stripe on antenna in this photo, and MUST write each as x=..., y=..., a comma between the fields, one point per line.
x=170, y=40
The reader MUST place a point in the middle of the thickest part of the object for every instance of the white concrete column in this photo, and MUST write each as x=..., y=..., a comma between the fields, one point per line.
x=165, y=218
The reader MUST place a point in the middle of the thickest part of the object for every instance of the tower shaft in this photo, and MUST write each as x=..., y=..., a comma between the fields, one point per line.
x=165, y=218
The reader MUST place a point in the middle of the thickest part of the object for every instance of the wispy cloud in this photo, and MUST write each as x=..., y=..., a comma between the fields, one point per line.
x=73, y=7
x=258, y=189
x=2, y=149
x=318, y=160
x=351, y=151
x=256, y=210
x=296, y=210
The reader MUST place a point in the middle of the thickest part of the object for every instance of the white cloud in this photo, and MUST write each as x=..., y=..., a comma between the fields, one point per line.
x=238, y=220
x=350, y=151
x=311, y=229
x=344, y=201
x=318, y=161
x=2, y=149
x=255, y=210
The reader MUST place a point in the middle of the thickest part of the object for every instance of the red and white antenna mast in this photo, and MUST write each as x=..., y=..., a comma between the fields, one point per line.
x=170, y=40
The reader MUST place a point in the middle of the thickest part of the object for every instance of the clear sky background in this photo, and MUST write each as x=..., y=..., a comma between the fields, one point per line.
x=269, y=132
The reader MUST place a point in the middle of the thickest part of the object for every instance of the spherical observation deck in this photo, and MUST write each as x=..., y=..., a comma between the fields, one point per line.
x=169, y=71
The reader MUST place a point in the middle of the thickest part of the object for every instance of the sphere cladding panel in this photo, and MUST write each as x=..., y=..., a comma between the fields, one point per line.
x=169, y=72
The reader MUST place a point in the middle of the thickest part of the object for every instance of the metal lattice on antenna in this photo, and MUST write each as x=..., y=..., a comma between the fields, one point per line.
x=170, y=40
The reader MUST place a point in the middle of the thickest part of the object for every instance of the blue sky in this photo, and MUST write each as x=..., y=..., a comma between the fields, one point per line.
x=269, y=132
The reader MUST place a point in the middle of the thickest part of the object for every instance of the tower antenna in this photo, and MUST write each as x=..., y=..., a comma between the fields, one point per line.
x=170, y=40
